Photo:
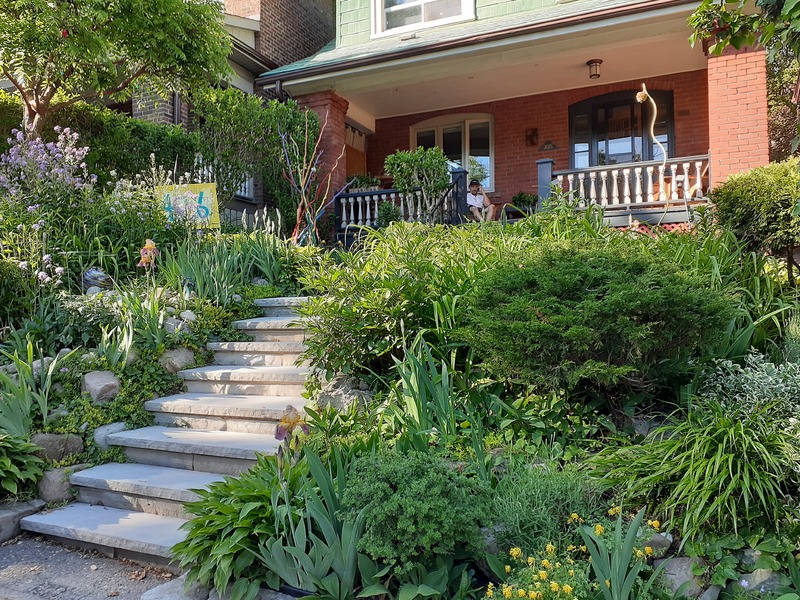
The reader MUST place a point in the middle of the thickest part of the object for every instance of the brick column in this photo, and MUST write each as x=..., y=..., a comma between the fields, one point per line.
x=331, y=109
x=737, y=112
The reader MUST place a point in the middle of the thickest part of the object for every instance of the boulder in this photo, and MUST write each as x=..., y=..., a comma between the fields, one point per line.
x=677, y=572
x=188, y=315
x=660, y=543
x=101, y=434
x=342, y=392
x=101, y=386
x=54, y=485
x=57, y=446
x=177, y=359
x=177, y=590
x=173, y=325
x=63, y=352
x=93, y=290
x=760, y=582
x=11, y=513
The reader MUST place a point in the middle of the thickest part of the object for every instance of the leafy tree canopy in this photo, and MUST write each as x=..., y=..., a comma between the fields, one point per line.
x=60, y=51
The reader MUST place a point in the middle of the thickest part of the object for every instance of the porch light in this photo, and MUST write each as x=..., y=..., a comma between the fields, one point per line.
x=594, y=68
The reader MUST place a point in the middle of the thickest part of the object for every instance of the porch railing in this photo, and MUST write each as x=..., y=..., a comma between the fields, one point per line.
x=630, y=185
x=361, y=208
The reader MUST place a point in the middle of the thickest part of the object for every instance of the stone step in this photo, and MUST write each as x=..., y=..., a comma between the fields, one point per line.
x=272, y=329
x=225, y=452
x=265, y=354
x=245, y=379
x=111, y=531
x=280, y=307
x=223, y=412
x=143, y=488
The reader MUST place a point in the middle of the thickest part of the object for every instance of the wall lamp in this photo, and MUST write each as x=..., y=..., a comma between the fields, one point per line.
x=594, y=68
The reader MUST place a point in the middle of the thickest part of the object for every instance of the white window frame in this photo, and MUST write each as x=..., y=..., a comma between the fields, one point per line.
x=439, y=124
x=379, y=17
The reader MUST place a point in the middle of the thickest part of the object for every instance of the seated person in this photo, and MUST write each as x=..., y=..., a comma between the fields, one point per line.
x=478, y=202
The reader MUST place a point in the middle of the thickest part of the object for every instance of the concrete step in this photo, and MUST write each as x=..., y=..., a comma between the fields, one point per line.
x=225, y=452
x=111, y=531
x=143, y=488
x=223, y=412
x=248, y=380
x=280, y=307
x=272, y=329
x=266, y=354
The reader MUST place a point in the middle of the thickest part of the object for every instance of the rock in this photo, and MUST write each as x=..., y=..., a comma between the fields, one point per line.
x=11, y=513
x=132, y=357
x=342, y=392
x=660, y=543
x=101, y=386
x=760, y=581
x=93, y=291
x=57, y=446
x=188, y=315
x=490, y=544
x=63, y=352
x=177, y=359
x=176, y=590
x=173, y=325
x=263, y=594
x=54, y=485
x=236, y=298
x=60, y=411
x=712, y=593
x=41, y=364
x=10, y=369
x=101, y=434
x=259, y=281
x=170, y=310
x=677, y=572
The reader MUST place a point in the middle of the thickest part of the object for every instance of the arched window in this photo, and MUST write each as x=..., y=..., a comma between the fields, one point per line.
x=614, y=129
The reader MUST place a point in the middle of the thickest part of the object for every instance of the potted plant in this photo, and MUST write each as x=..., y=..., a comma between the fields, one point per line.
x=364, y=183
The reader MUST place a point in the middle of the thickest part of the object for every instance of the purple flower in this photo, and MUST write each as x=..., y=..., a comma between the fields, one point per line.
x=23, y=265
x=59, y=270
x=42, y=276
x=47, y=259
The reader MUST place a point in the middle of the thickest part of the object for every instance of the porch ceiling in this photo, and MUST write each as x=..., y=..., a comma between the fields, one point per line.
x=631, y=48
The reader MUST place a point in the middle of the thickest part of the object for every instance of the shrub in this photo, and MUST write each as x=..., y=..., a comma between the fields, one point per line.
x=719, y=470
x=423, y=168
x=416, y=508
x=15, y=300
x=590, y=313
x=565, y=577
x=758, y=206
x=20, y=468
x=532, y=505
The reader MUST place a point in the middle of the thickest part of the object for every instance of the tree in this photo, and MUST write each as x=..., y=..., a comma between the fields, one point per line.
x=58, y=52
x=784, y=113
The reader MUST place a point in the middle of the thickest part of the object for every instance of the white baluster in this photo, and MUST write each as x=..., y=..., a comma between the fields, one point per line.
x=662, y=194
x=673, y=169
x=699, y=184
x=592, y=188
x=615, y=187
x=368, y=202
x=344, y=212
x=560, y=181
x=649, y=184
x=378, y=198
x=626, y=186
x=360, y=201
x=603, y=188
x=638, y=172
x=352, y=215
x=687, y=179
x=582, y=188
x=420, y=207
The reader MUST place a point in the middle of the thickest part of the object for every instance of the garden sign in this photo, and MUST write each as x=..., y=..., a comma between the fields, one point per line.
x=196, y=203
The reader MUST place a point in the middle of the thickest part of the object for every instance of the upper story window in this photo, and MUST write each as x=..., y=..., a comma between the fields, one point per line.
x=394, y=16
x=466, y=141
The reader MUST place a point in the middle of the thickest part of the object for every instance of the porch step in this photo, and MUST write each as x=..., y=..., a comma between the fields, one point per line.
x=223, y=452
x=279, y=307
x=272, y=329
x=143, y=488
x=114, y=532
x=266, y=354
x=218, y=412
x=248, y=380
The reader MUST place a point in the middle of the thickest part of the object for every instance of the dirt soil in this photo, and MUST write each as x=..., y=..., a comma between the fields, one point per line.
x=32, y=568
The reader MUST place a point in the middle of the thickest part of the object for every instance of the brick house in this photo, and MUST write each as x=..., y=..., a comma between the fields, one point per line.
x=530, y=91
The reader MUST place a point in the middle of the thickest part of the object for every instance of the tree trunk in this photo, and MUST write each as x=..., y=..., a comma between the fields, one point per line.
x=32, y=119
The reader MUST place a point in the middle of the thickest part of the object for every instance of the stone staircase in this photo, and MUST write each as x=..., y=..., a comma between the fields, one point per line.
x=228, y=414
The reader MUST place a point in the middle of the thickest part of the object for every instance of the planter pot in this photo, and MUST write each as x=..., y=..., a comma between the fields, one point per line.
x=294, y=592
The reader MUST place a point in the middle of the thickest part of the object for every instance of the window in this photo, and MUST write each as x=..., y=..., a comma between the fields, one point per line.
x=466, y=142
x=614, y=129
x=404, y=15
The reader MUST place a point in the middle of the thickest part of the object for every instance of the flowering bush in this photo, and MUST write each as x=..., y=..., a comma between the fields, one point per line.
x=549, y=574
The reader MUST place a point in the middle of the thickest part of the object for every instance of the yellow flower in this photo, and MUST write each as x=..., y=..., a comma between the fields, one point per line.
x=608, y=583
x=584, y=549
x=531, y=561
x=550, y=549
x=554, y=587
x=614, y=511
x=639, y=553
x=567, y=589
x=571, y=548
x=599, y=529
x=654, y=524
x=574, y=518
x=546, y=563
x=570, y=561
x=648, y=550
x=489, y=593
x=515, y=552
x=508, y=568
x=522, y=593
x=543, y=575
x=571, y=572
x=507, y=592
x=558, y=565
x=532, y=595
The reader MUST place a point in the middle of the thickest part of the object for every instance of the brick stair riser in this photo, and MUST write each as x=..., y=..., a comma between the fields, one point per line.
x=260, y=359
x=190, y=462
x=214, y=423
x=276, y=335
x=127, y=501
x=246, y=388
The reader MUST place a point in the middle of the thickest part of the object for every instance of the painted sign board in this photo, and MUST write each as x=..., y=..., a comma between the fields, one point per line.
x=195, y=202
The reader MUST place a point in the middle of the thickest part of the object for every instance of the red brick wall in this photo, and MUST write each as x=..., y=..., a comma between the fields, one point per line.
x=331, y=109
x=515, y=163
x=294, y=30
x=737, y=92
x=243, y=8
